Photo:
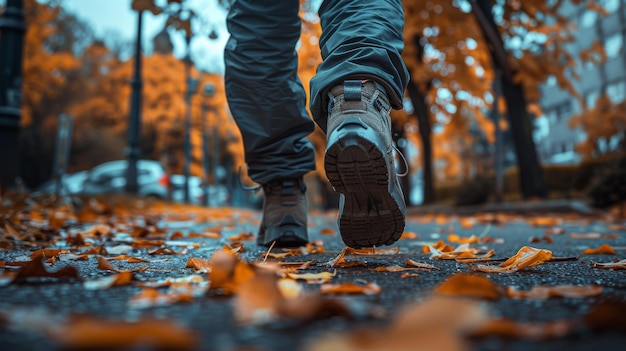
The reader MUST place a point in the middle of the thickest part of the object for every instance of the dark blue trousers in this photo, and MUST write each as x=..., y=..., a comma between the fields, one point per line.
x=361, y=39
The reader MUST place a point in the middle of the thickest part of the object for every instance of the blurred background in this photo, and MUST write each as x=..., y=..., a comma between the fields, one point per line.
x=508, y=100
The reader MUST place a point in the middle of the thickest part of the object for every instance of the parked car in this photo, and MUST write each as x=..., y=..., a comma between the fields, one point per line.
x=70, y=184
x=218, y=194
x=110, y=177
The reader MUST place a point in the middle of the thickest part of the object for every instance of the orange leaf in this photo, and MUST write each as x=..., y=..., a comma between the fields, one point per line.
x=604, y=249
x=350, y=288
x=83, y=333
x=328, y=231
x=394, y=269
x=420, y=265
x=123, y=278
x=592, y=236
x=546, y=292
x=408, y=236
x=45, y=253
x=228, y=272
x=525, y=257
x=129, y=259
x=463, y=284
x=198, y=264
x=105, y=265
x=313, y=278
x=409, y=275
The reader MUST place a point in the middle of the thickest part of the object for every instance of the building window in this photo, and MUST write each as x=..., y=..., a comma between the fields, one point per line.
x=613, y=45
x=591, y=98
x=616, y=91
x=551, y=81
x=588, y=18
x=610, y=5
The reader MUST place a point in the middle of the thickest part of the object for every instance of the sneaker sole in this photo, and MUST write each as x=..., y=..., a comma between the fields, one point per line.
x=356, y=167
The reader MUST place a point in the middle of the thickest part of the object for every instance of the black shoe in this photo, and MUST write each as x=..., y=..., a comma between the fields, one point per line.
x=284, y=214
x=359, y=165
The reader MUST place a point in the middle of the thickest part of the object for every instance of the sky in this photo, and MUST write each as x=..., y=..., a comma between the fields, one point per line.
x=114, y=20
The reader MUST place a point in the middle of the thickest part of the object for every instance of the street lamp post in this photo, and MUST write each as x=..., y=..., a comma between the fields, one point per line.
x=208, y=92
x=12, y=27
x=133, y=151
x=192, y=84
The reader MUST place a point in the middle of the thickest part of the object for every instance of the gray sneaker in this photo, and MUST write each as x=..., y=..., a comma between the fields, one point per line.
x=359, y=164
x=284, y=214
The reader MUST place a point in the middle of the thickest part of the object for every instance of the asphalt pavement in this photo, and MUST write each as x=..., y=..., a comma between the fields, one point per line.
x=210, y=319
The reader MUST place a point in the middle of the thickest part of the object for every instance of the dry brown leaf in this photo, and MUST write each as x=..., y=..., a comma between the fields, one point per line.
x=535, y=331
x=526, y=257
x=372, y=251
x=198, y=264
x=313, y=278
x=86, y=332
x=554, y=231
x=105, y=265
x=544, y=221
x=408, y=236
x=469, y=285
x=467, y=222
x=36, y=269
x=454, y=238
x=409, y=275
x=546, y=239
x=420, y=265
x=340, y=261
x=129, y=259
x=439, y=323
x=351, y=288
x=440, y=246
x=228, y=272
x=296, y=265
x=604, y=249
x=46, y=253
x=165, y=251
x=610, y=265
x=328, y=231
x=394, y=269
x=592, y=236
x=546, y=292
x=123, y=278
x=243, y=236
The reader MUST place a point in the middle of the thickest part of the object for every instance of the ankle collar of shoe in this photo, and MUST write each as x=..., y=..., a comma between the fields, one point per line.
x=360, y=90
x=286, y=186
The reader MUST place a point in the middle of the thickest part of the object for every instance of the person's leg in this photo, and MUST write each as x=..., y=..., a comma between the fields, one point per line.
x=361, y=78
x=267, y=101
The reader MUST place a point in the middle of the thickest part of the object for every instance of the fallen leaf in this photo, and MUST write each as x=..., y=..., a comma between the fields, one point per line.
x=592, y=236
x=394, y=269
x=228, y=272
x=546, y=239
x=36, y=269
x=439, y=323
x=83, y=332
x=328, y=231
x=409, y=275
x=313, y=278
x=129, y=259
x=198, y=264
x=454, y=238
x=525, y=257
x=164, y=251
x=351, y=288
x=408, y=236
x=340, y=260
x=420, y=265
x=243, y=236
x=554, y=231
x=604, y=249
x=546, y=292
x=372, y=251
x=534, y=331
x=46, y=253
x=469, y=285
x=123, y=278
x=440, y=246
x=105, y=265
x=610, y=265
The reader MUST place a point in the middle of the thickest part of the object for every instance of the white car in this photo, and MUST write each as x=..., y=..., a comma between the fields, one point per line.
x=110, y=177
x=218, y=194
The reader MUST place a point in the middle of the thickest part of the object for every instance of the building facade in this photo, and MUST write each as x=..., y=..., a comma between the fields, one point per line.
x=554, y=137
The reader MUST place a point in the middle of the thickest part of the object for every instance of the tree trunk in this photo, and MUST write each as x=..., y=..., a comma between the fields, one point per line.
x=531, y=178
x=423, y=119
